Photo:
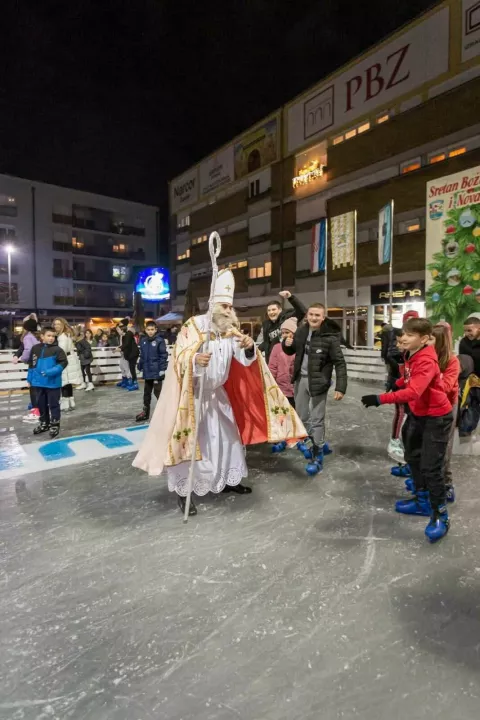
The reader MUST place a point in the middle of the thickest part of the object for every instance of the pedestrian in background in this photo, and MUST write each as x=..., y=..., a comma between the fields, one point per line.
x=72, y=374
x=153, y=363
x=85, y=355
x=46, y=364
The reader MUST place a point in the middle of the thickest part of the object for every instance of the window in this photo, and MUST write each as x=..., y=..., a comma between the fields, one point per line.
x=255, y=188
x=242, y=263
x=120, y=248
x=364, y=127
x=437, y=157
x=183, y=222
x=184, y=255
x=233, y=265
x=350, y=134
x=338, y=140
x=199, y=240
x=410, y=165
x=76, y=243
x=383, y=118
x=61, y=268
x=8, y=206
x=7, y=233
x=457, y=151
x=263, y=271
x=121, y=273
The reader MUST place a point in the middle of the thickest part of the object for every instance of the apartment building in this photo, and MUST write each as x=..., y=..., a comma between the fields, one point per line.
x=72, y=253
x=376, y=130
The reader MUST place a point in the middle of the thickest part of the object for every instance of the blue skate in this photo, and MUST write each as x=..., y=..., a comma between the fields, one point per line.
x=279, y=447
x=401, y=471
x=438, y=526
x=418, y=505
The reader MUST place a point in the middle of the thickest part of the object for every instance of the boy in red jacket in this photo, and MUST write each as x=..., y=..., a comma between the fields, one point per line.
x=427, y=428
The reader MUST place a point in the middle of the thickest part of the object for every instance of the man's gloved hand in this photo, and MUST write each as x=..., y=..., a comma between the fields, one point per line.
x=370, y=401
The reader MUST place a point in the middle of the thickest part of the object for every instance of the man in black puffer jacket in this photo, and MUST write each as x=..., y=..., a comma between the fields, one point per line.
x=316, y=346
x=276, y=316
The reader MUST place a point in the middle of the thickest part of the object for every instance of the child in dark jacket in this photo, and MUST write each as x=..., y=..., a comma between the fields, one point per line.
x=153, y=363
x=427, y=429
x=46, y=364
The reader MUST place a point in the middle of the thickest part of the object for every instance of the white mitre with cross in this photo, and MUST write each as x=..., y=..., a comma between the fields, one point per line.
x=224, y=287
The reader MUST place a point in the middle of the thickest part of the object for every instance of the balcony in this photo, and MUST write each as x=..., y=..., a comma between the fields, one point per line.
x=62, y=273
x=100, y=277
x=111, y=228
x=62, y=219
x=107, y=251
x=92, y=301
x=62, y=300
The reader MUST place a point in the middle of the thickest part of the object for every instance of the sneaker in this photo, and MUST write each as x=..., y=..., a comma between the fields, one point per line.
x=438, y=526
x=89, y=387
x=32, y=417
x=395, y=451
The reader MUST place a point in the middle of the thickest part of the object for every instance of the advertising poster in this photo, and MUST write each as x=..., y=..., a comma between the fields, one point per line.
x=256, y=149
x=217, y=171
x=184, y=191
x=453, y=248
x=153, y=284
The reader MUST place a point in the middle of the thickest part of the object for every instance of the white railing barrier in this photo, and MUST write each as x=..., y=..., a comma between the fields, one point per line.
x=365, y=364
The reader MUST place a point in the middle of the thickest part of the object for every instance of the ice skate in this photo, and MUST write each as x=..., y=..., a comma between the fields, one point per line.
x=401, y=471
x=418, y=505
x=143, y=416
x=81, y=387
x=64, y=405
x=450, y=493
x=90, y=386
x=123, y=383
x=54, y=429
x=41, y=428
x=279, y=447
x=395, y=451
x=132, y=385
x=438, y=526
x=71, y=403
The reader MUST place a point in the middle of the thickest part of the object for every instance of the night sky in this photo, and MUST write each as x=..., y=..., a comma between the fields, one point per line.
x=119, y=97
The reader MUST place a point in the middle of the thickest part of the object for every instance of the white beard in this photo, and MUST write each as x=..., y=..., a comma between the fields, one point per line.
x=222, y=322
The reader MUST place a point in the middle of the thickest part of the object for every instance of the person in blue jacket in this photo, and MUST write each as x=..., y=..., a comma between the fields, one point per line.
x=46, y=363
x=153, y=363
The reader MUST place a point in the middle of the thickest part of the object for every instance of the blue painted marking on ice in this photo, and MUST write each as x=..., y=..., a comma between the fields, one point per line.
x=137, y=427
x=9, y=461
x=60, y=449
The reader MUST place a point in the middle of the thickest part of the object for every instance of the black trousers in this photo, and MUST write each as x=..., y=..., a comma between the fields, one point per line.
x=426, y=441
x=291, y=400
x=48, y=402
x=87, y=373
x=33, y=397
x=151, y=385
x=132, y=364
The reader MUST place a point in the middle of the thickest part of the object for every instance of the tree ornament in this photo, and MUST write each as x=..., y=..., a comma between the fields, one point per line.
x=476, y=232
x=468, y=290
x=450, y=229
x=467, y=219
x=435, y=273
x=476, y=276
x=452, y=249
x=477, y=295
x=436, y=297
x=470, y=248
x=454, y=277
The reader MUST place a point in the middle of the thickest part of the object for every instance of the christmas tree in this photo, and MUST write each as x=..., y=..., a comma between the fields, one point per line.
x=455, y=290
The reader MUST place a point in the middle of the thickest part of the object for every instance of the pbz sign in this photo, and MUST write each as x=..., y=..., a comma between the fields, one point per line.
x=74, y=450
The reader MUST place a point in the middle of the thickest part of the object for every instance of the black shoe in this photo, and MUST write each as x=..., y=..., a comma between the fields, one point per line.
x=54, y=429
x=143, y=416
x=43, y=427
x=239, y=489
x=182, y=503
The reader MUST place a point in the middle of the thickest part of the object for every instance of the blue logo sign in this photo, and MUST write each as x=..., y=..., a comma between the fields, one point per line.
x=153, y=284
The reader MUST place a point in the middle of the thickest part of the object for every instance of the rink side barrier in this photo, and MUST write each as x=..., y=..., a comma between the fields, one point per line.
x=364, y=364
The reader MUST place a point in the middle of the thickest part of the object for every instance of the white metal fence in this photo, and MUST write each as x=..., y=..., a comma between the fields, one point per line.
x=363, y=364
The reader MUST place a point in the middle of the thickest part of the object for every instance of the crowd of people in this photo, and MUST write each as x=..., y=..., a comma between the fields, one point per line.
x=223, y=391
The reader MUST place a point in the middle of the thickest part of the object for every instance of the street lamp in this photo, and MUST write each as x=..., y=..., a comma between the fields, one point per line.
x=9, y=249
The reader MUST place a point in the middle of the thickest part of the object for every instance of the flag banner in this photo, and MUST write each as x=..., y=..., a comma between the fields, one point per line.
x=343, y=239
x=318, y=257
x=385, y=233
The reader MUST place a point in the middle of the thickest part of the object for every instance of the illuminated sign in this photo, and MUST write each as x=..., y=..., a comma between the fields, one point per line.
x=402, y=292
x=310, y=172
x=153, y=284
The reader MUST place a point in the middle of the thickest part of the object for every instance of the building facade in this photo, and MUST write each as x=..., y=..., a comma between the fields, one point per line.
x=73, y=253
x=377, y=130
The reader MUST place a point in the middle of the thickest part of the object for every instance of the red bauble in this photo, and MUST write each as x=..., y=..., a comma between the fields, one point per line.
x=468, y=290
x=451, y=229
x=470, y=248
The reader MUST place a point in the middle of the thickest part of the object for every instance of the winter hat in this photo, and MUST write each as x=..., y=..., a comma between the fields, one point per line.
x=290, y=324
x=409, y=315
x=30, y=325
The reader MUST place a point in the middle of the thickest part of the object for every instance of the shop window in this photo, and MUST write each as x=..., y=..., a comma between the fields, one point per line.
x=263, y=271
x=457, y=151
x=409, y=226
x=364, y=127
x=350, y=134
x=339, y=139
x=252, y=273
x=185, y=255
x=410, y=165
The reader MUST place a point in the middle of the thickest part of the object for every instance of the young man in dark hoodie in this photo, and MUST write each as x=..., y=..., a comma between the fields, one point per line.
x=470, y=344
x=153, y=363
x=316, y=346
x=130, y=352
x=271, y=328
x=427, y=429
